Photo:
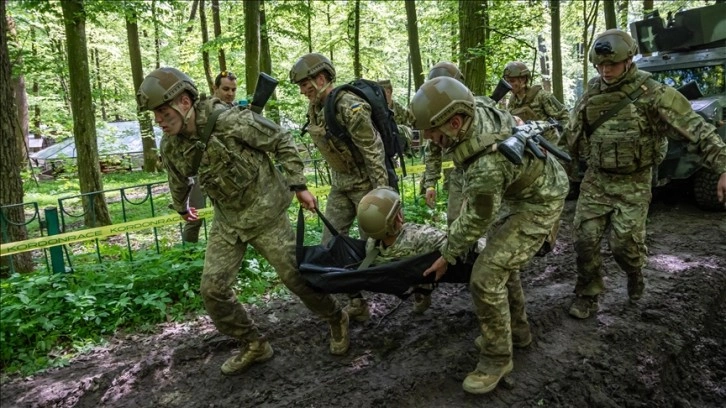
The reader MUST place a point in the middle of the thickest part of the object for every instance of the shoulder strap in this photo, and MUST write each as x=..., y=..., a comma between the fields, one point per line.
x=204, y=138
x=531, y=93
x=630, y=98
x=329, y=111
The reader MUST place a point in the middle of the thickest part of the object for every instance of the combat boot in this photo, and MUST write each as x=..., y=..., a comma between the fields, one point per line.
x=421, y=302
x=481, y=383
x=357, y=310
x=339, y=337
x=583, y=306
x=635, y=285
x=255, y=352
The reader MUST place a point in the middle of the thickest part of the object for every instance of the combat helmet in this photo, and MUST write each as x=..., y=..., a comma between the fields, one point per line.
x=446, y=69
x=516, y=69
x=310, y=65
x=377, y=212
x=612, y=46
x=438, y=100
x=162, y=86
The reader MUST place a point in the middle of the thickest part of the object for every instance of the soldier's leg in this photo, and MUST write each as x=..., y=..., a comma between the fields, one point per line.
x=191, y=229
x=627, y=242
x=221, y=266
x=588, y=230
x=340, y=210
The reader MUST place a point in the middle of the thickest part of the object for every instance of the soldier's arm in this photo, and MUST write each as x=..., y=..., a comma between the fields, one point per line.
x=484, y=190
x=675, y=110
x=555, y=109
x=357, y=119
x=179, y=186
x=432, y=161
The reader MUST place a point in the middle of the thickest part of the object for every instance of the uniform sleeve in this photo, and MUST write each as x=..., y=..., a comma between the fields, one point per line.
x=357, y=119
x=675, y=111
x=179, y=185
x=484, y=180
x=260, y=133
x=432, y=161
x=555, y=109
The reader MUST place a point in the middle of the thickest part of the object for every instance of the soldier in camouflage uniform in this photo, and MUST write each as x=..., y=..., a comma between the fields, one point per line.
x=250, y=198
x=436, y=156
x=354, y=172
x=401, y=115
x=380, y=215
x=447, y=113
x=534, y=103
x=225, y=88
x=621, y=153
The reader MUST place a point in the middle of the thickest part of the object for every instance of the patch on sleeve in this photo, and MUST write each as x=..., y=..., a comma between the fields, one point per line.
x=354, y=108
x=483, y=205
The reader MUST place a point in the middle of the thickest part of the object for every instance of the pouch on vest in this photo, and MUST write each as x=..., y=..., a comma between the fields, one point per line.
x=225, y=175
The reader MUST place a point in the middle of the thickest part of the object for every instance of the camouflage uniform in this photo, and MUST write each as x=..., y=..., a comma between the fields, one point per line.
x=539, y=104
x=621, y=154
x=535, y=192
x=403, y=118
x=436, y=155
x=353, y=173
x=250, y=198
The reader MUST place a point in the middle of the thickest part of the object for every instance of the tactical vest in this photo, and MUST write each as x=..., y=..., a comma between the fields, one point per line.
x=524, y=111
x=226, y=171
x=336, y=153
x=491, y=126
x=622, y=144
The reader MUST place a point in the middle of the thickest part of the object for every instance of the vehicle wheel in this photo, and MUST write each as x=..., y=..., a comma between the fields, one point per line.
x=704, y=190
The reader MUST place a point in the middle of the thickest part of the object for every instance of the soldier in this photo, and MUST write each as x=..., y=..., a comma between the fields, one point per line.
x=532, y=102
x=401, y=115
x=354, y=170
x=448, y=115
x=436, y=155
x=622, y=140
x=225, y=88
x=250, y=198
x=380, y=215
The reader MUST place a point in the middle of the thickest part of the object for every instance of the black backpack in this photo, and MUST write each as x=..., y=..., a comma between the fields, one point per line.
x=381, y=116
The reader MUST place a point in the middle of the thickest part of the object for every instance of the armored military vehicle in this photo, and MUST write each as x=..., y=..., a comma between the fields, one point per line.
x=688, y=51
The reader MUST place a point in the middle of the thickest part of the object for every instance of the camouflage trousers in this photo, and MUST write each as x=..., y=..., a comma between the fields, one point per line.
x=621, y=203
x=221, y=267
x=341, y=210
x=190, y=233
x=495, y=283
x=456, y=195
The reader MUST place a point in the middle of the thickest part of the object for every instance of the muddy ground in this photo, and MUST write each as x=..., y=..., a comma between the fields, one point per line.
x=668, y=350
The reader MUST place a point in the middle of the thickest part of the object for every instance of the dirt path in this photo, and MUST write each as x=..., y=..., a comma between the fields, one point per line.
x=669, y=350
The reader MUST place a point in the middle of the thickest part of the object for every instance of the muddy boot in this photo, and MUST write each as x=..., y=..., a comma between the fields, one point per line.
x=256, y=352
x=583, y=306
x=635, y=285
x=339, y=338
x=481, y=383
x=421, y=302
x=357, y=310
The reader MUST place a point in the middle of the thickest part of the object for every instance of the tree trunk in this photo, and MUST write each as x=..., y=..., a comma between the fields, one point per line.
x=272, y=111
x=608, y=7
x=12, y=220
x=588, y=33
x=205, y=53
x=309, y=26
x=84, y=122
x=218, y=33
x=413, y=43
x=472, y=21
x=623, y=13
x=357, y=68
x=544, y=63
x=99, y=85
x=252, y=45
x=21, y=98
x=145, y=127
x=647, y=7
x=157, y=40
x=557, y=88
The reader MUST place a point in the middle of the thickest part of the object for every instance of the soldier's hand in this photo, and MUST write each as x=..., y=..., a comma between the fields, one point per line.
x=721, y=189
x=191, y=215
x=431, y=197
x=306, y=199
x=439, y=267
